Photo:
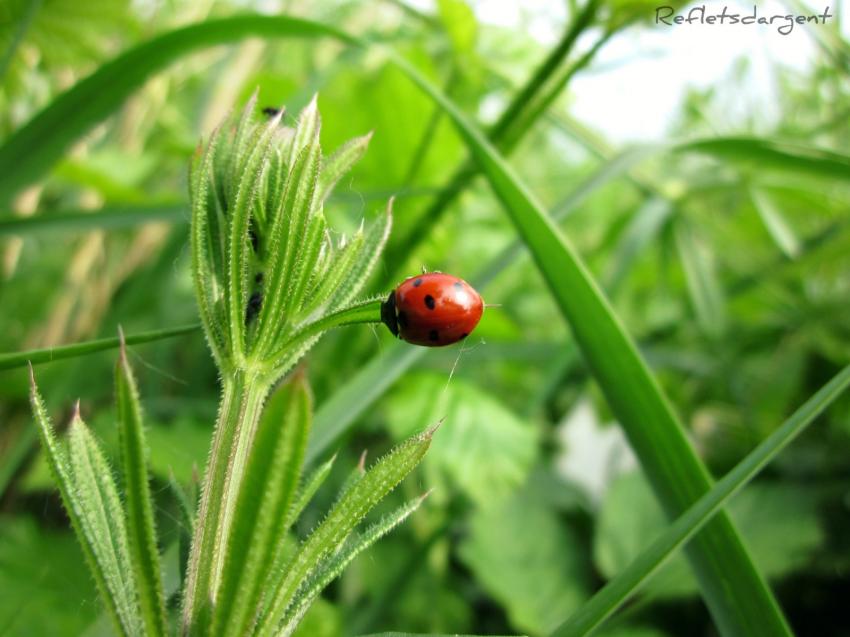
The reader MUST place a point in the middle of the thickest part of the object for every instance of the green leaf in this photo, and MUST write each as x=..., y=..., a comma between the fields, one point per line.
x=91, y=499
x=459, y=21
x=348, y=511
x=623, y=587
x=143, y=551
x=483, y=449
x=527, y=559
x=106, y=218
x=630, y=516
x=740, y=604
x=333, y=566
x=262, y=510
x=775, y=223
x=31, y=150
x=308, y=489
x=763, y=154
x=701, y=279
x=43, y=569
x=339, y=163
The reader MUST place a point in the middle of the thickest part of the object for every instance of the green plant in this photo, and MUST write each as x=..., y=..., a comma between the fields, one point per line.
x=269, y=280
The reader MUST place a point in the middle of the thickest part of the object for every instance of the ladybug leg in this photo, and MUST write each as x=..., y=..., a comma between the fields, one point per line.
x=388, y=314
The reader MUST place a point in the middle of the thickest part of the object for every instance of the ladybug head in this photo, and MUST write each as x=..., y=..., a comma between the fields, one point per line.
x=388, y=315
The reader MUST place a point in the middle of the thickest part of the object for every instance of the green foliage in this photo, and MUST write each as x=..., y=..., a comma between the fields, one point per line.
x=539, y=581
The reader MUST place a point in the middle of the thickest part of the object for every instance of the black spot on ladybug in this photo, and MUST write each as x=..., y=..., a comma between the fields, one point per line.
x=458, y=285
x=417, y=283
x=433, y=335
x=402, y=319
x=271, y=111
x=253, y=307
x=429, y=302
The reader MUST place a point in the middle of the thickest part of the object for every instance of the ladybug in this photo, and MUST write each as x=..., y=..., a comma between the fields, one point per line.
x=433, y=309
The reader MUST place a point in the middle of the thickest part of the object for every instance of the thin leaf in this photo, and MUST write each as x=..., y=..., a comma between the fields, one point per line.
x=106, y=218
x=333, y=566
x=763, y=154
x=343, y=517
x=740, y=603
x=264, y=500
x=340, y=162
x=775, y=223
x=144, y=555
x=623, y=587
x=308, y=489
x=702, y=281
x=63, y=475
x=30, y=152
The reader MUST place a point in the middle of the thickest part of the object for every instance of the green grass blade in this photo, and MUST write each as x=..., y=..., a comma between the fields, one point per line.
x=347, y=513
x=265, y=497
x=764, y=154
x=701, y=280
x=775, y=224
x=30, y=152
x=50, y=354
x=735, y=592
x=144, y=554
x=107, y=218
x=619, y=590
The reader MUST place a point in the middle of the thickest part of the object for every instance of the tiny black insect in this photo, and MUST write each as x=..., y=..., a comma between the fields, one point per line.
x=271, y=111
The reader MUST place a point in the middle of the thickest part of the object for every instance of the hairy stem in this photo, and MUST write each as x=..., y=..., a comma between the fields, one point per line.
x=242, y=398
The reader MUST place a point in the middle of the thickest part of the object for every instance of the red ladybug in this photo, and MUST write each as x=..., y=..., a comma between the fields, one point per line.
x=432, y=309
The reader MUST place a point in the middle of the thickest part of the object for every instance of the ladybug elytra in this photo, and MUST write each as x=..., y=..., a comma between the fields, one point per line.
x=432, y=309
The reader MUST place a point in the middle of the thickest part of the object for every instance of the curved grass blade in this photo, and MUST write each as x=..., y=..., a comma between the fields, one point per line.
x=30, y=152
x=107, y=218
x=144, y=554
x=50, y=354
x=735, y=592
x=765, y=154
x=619, y=590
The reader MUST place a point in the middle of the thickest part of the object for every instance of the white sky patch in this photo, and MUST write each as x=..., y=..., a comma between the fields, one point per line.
x=635, y=87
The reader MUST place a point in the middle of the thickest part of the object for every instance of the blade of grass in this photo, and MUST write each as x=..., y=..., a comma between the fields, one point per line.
x=31, y=150
x=764, y=154
x=625, y=585
x=737, y=595
x=144, y=555
x=49, y=354
x=108, y=218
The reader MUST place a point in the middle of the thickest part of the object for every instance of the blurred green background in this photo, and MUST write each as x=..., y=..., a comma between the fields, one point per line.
x=731, y=272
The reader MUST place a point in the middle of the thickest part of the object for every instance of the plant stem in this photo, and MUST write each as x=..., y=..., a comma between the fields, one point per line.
x=242, y=398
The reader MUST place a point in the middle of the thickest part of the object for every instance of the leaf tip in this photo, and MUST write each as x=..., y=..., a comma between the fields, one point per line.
x=122, y=346
x=361, y=464
x=33, y=387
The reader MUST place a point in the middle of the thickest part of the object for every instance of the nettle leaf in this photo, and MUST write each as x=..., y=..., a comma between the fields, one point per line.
x=140, y=520
x=91, y=499
x=359, y=498
x=528, y=559
x=630, y=519
x=484, y=449
x=262, y=509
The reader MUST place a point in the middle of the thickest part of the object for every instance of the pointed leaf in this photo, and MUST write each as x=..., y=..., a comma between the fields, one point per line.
x=339, y=523
x=333, y=566
x=340, y=162
x=702, y=281
x=775, y=223
x=140, y=520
